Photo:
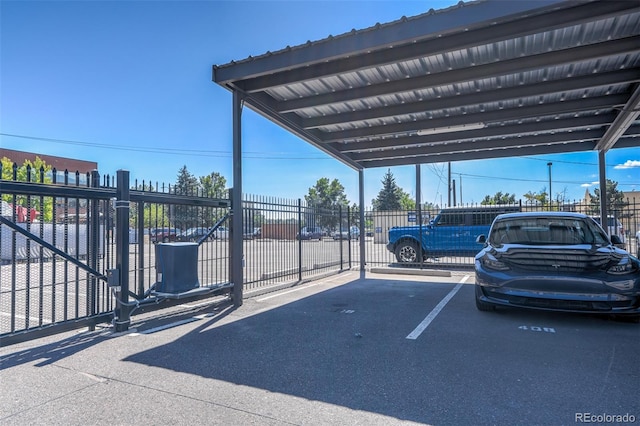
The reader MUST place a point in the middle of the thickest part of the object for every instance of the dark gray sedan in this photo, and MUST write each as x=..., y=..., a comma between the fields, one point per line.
x=555, y=261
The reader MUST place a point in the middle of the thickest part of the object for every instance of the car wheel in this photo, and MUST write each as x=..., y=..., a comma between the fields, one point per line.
x=407, y=252
x=165, y=239
x=483, y=306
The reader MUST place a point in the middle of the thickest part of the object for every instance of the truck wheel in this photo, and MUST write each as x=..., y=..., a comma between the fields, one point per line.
x=407, y=252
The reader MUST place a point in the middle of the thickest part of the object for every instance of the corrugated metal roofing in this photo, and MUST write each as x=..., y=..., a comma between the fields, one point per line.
x=526, y=77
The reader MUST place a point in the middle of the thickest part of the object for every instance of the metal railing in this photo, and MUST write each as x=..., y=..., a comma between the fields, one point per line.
x=624, y=214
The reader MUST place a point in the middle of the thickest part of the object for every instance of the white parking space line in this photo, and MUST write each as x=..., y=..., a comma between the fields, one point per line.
x=282, y=293
x=432, y=315
x=302, y=287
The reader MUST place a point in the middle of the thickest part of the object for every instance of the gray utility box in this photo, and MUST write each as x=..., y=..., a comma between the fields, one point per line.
x=176, y=267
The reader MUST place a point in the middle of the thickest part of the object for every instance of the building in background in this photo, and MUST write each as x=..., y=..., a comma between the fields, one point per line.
x=71, y=209
x=59, y=163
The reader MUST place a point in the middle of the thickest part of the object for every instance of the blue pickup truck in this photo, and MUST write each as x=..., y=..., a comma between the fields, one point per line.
x=453, y=232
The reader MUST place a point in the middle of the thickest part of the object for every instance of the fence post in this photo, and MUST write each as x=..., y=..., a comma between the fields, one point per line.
x=340, y=235
x=94, y=238
x=141, y=246
x=349, y=234
x=300, y=239
x=122, y=320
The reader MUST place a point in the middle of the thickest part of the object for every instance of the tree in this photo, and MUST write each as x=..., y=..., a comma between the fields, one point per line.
x=214, y=185
x=391, y=196
x=36, y=171
x=324, y=198
x=537, y=198
x=499, y=198
x=615, y=199
x=186, y=184
x=185, y=216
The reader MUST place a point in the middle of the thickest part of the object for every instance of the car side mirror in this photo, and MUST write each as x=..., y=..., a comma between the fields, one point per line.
x=616, y=241
x=481, y=239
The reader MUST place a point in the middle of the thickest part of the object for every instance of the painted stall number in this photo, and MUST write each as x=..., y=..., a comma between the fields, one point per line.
x=536, y=328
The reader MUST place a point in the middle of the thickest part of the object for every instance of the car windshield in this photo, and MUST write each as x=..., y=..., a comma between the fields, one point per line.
x=546, y=231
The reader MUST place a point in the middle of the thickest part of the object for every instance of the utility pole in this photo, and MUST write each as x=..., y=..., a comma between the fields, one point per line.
x=454, y=193
x=449, y=186
x=550, y=192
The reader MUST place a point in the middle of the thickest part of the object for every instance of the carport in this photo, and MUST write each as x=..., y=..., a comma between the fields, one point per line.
x=478, y=80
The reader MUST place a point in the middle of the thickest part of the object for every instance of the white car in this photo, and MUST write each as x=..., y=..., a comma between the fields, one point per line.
x=222, y=233
x=638, y=243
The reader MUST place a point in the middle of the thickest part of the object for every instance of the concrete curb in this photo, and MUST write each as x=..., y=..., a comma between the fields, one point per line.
x=408, y=271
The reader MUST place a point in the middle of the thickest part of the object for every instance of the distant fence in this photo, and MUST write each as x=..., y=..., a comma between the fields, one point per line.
x=626, y=215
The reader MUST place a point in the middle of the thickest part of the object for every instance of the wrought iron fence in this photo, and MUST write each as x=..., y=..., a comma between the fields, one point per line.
x=623, y=220
x=77, y=250
x=53, y=252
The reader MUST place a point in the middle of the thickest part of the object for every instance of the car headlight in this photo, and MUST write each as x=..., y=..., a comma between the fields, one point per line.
x=623, y=267
x=490, y=262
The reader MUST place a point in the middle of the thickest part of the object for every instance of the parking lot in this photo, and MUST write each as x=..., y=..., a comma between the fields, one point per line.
x=381, y=349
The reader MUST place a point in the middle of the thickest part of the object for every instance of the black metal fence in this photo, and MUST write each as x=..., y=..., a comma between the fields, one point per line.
x=78, y=250
x=623, y=220
x=54, y=252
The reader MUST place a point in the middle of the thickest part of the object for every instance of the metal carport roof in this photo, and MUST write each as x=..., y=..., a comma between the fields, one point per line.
x=477, y=80
x=481, y=79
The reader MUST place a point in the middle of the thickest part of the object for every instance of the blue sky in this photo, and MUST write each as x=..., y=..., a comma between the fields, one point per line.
x=128, y=85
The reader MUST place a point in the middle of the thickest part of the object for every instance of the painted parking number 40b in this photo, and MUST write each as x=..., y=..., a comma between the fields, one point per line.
x=536, y=328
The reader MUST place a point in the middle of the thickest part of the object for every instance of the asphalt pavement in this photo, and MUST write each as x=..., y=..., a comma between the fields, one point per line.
x=380, y=350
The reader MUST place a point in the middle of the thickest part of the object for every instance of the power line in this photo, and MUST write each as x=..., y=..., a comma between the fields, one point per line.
x=169, y=151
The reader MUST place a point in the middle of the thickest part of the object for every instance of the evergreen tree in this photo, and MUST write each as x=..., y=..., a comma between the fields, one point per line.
x=185, y=217
x=391, y=196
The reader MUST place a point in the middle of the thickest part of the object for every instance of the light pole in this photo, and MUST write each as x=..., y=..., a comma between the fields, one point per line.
x=550, y=192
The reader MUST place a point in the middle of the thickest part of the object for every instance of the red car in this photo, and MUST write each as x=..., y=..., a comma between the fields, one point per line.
x=163, y=235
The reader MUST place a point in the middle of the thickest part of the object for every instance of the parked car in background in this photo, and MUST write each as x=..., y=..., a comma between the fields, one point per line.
x=133, y=236
x=193, y=234
x=452, y=232
x=222, y=233
x=352, y=233
x=310, y=233
x=638, y=244
x=163, y=235
x=555, y=261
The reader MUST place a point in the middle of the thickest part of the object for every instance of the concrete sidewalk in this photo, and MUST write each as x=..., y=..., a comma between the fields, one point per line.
x=198, y=364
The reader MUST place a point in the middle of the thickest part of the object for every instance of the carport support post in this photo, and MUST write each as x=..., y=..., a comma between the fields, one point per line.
x=122, y=318
x=419, y=212
x=362, y=224
x=236, y=205
x=604, y=221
